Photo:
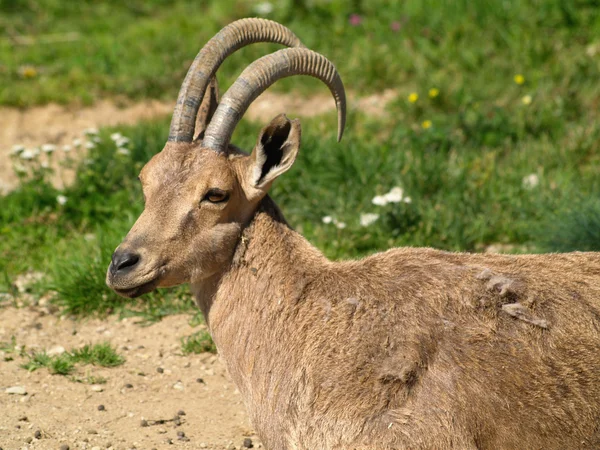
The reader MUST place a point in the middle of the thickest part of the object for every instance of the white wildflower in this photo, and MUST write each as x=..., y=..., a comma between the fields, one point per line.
x=90, y=131
x=45, y=164
x=48, y=148
x=531, y=181
x=61, y=199
x=395, y=195
x=116, y=136
x=368, y=219
x=327, y=220
x=123, y=151
x=90, y=145
x=122, y=141
x=379, y=200
x=66, y=148
x=407, y=200
x=28, y=153
x=17, y=149
x=340, y=225
x=263, y=8
x=77, y=143
x=96, y=139
x=88, y=161
x=20, y=168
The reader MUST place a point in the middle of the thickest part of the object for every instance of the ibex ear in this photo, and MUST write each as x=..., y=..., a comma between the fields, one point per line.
x=207, y=108
x=274, y=153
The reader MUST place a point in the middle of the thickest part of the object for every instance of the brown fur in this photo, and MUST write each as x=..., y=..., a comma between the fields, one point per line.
x=412, y=348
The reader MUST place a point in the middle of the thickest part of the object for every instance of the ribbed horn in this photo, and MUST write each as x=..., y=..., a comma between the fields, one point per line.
x=231, y=38
x=261, y=74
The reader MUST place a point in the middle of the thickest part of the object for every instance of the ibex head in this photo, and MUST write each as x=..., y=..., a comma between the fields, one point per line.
x=200, y=191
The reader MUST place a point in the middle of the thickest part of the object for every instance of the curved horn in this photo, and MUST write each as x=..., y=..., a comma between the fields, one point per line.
x=231, y=38
x=259, y=76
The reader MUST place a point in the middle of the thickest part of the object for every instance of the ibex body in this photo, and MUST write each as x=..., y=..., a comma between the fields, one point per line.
x=411, y=348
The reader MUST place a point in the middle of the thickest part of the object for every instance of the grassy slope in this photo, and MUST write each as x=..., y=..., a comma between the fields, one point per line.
x=142, y=48
x=464, y=174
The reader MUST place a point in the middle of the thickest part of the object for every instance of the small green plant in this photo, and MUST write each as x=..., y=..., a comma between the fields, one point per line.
x=98, y=354
x=36, y=361
x=200, y=342
x=61, y=365
x=102, y=354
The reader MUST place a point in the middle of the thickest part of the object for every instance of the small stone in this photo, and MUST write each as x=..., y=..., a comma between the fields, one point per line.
x=96, y=448
x=200, y=380
x=248, y=443
x=29, y=440
x=92, y=431
x=160, y=369
x=56, y=350
x=101, y=408
x=128, y=386
x=203, y=445
x=168, y=441
x=64, y=447
x=23, y=419
x=97, y=388
x=144, y=423
x=181, y=412
x=180, y=434
x=178, y=386
x=16, y=390
x=37, y=434
x=177, y=421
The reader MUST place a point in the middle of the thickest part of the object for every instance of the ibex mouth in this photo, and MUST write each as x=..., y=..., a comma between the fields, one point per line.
x=138, y=290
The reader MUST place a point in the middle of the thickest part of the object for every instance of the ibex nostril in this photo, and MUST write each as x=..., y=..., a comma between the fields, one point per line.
x=121, y=261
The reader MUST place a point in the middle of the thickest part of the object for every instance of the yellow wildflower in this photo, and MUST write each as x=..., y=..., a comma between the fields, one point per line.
x=434, y=92
x=426, y=124
x=527, y=100
x=519, y=79
x=28, y=71
x=413, y=97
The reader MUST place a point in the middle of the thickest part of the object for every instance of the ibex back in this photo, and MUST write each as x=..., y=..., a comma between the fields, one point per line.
x=407, y=349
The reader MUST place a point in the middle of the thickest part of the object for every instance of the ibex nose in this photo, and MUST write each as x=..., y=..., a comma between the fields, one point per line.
x=122, y=260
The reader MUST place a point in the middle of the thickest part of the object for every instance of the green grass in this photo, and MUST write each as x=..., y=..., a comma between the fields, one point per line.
x=103, y=355
x=487, y=161
x=199, y=342
x=140, y=48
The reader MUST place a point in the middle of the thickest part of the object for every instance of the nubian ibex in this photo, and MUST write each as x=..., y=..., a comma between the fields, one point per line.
x=413, y=348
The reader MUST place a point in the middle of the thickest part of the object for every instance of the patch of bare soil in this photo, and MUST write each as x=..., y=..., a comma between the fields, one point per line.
x=155, y=384
x=59, y=125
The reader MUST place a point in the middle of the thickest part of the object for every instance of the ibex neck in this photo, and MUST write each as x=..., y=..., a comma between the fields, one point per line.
x=268, y=250
x=251, y=314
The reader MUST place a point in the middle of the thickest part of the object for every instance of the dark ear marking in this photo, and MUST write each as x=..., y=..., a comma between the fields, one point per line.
x=272, y=143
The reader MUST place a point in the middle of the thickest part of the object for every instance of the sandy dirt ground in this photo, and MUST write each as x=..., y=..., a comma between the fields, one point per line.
x=154, y=384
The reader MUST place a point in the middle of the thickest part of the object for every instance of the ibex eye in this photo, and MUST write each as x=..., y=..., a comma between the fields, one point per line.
x=216, y=196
